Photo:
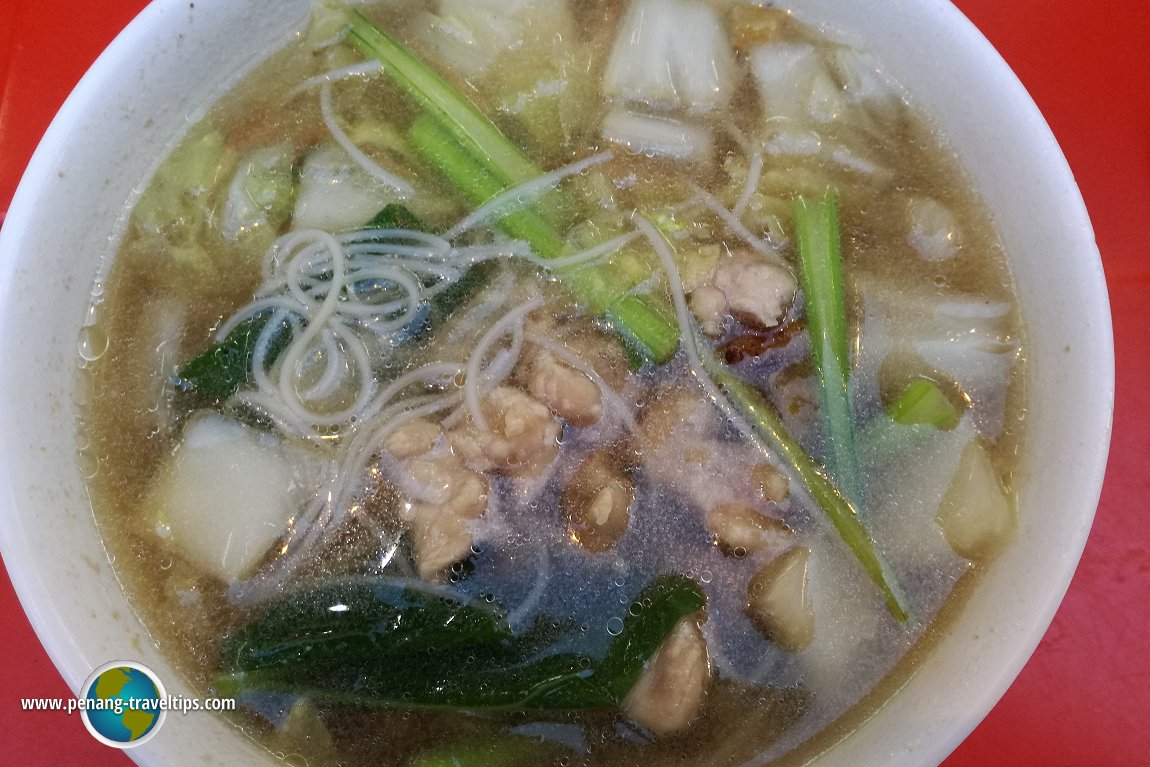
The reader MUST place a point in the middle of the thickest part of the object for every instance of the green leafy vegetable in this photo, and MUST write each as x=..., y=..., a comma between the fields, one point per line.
x=226, y=367
x=820, y=267
x=395, y=216
x=920, y=411
x=384, y=644
x=923, y=402
x=381, y=619
x=652, y=616
x=444, y=303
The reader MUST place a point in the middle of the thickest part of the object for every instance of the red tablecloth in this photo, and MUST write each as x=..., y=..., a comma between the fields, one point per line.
x=1084, y=698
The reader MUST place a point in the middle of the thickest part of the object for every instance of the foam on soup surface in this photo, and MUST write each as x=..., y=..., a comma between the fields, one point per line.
x=555, y=382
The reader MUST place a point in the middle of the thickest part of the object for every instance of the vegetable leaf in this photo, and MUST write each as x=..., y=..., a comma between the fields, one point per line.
x=651, y=618
x=226, y=367
x=384, y=644
x=395, y=216
x=923, y=402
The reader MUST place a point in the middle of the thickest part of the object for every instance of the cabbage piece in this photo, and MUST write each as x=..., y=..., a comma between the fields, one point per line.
x=658, y=136
x=934, y=231
x=545, y=88
x=672, y=54
x=803, y=144
x=335, y=194
x=977, y=515
x=963, y=337
x=469, y=35
x=259, y=196
x=176, y=211
x=224, y=496
x=794, y=84
x=956, y=508
x=799, y=85
x=526, y=54
x=862, y=79
x=904, y=505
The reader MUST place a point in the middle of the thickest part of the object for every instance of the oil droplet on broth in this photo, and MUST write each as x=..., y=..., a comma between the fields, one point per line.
x=93, y=343
x=615, y=626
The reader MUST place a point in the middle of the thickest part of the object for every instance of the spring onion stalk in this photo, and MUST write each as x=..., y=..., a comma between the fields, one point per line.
x=478, y=183
x=838, y=508
x=820, y=268
x=460, y=142
x=471, y=129
x=644, y=326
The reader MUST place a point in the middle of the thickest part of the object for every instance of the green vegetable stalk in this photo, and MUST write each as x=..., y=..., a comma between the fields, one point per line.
x=839, y=509
x=455, y=138
x=820, y=267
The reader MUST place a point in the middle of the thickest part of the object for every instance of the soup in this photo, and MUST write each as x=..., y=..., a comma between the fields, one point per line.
x=519, y=383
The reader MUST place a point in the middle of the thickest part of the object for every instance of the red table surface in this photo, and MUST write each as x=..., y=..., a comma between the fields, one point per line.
x=1084, y=698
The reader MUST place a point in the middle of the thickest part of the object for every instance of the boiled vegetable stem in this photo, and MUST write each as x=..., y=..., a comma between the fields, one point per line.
x=470, y=128
x=643, y=324
x=820, y=268
x=823, y=491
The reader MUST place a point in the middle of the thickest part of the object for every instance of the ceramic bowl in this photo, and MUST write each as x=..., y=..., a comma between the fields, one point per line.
x=172, y=61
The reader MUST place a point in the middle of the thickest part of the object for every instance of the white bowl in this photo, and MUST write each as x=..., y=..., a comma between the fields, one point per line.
x=149, y=86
